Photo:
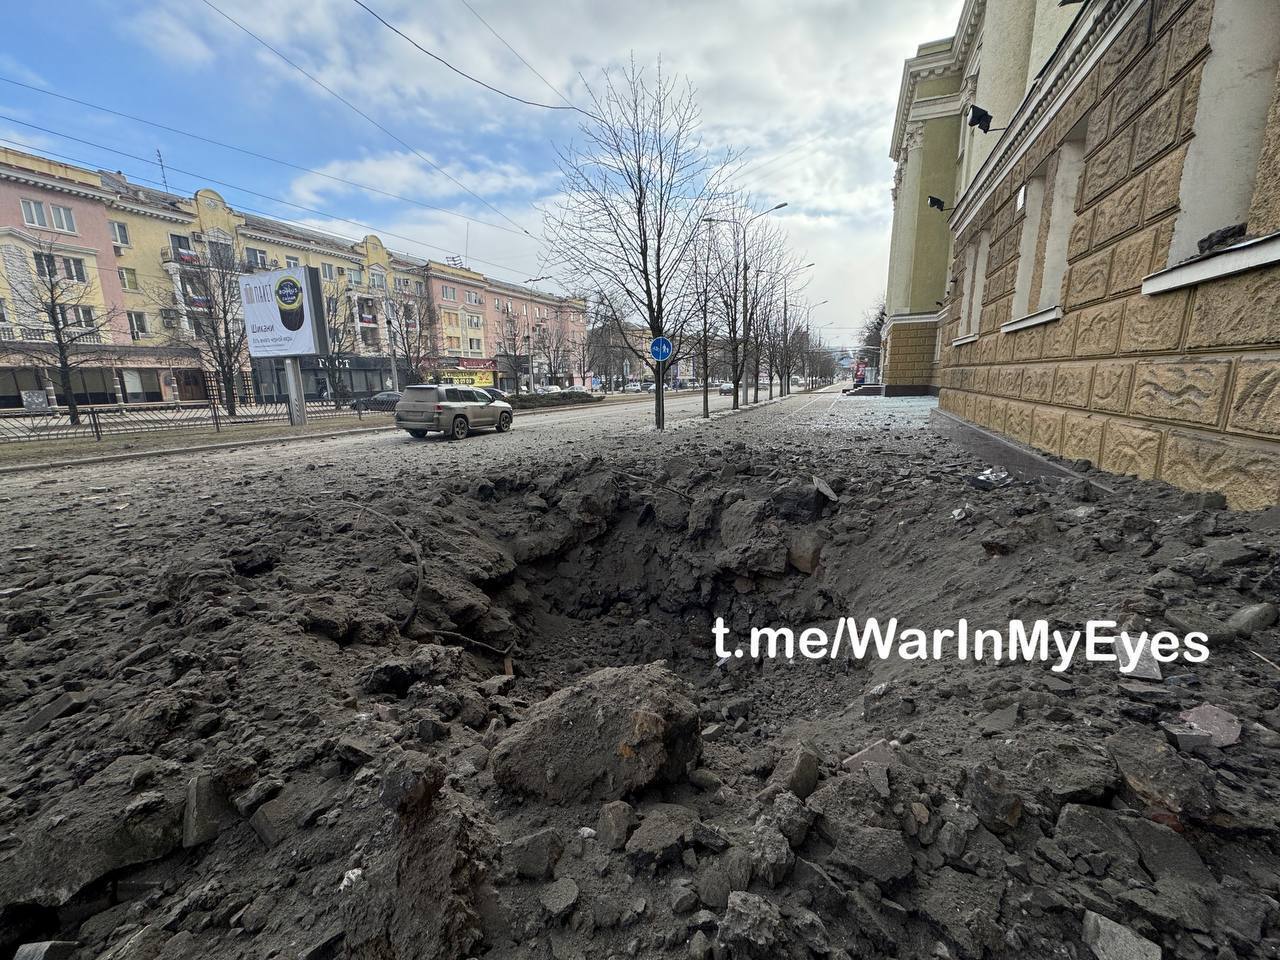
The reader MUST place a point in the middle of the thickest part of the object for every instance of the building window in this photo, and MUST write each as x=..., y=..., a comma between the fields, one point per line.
x=975, y=283
x=1062, y=219
x=128, y=278
x=33, y=214
x=1236, y=87
x=377, y=280
x=222, y=254
x=256, y=257
x=120, y=233
x=46, y=266
x=419, y=287
x=73, y=269
x=63, y=218
x=369, y=336
x=453, y=343
x=475, y=345
x=326, y=271
x=448, y=293
x=291, y=262
x=355, y=275
x=473, y=298
x=137, y=324
x=474, y=321
x=1031, y=197
x=76, y=316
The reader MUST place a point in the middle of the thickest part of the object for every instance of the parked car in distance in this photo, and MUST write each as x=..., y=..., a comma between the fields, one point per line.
x=726, y=389
x=647, y=387
x=633, y=387
x=547, y=389
x=576, y=388
x=452, y=410
x=385, y=401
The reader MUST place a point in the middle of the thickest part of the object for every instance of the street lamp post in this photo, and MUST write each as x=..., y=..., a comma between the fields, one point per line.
x=746, y=321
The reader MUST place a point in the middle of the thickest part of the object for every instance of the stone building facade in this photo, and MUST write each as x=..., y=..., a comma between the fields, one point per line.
x=1113, y=289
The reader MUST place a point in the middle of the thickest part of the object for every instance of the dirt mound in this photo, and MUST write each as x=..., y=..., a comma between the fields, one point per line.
x=375, y=725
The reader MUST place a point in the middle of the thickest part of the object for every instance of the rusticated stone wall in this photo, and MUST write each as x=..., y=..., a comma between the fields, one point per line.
x=1182, y=386
x=909, y=359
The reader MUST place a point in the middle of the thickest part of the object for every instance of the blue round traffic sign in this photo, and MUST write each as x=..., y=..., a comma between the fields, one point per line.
x=661, y=349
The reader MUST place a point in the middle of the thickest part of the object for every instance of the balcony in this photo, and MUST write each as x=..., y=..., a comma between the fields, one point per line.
x=179, y=256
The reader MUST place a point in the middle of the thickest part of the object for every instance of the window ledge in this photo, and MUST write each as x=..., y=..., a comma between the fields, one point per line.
x=1033, y=319
x=960, y=341
x=1220, y=263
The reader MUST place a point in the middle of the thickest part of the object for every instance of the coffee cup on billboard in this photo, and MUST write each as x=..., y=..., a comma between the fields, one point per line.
x=289, y=303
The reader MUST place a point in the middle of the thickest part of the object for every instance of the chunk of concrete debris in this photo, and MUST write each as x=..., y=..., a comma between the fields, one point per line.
x=661, y=835
x=999, y=721
x=409, y=780
x=1110, y=941
x=1159, y=776
x=824, y=488
x=206, y=813
x=877, y=852
x=751, y=927
x=559, y=898
x=1249, y=620
x=47, y=950
x=619, y=730
x=995, y=804
x=1185, y=736
x=771, y=856
x=614, y=825
x=73, y=701
x=717, y=879
x=804, y=551
x=276, y=819
x=878, y=752
x=535, y=855
x=797, y=771
x=1222, y=727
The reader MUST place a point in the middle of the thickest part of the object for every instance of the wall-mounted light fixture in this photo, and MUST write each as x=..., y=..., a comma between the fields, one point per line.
x=937, y=203
x=981, y=119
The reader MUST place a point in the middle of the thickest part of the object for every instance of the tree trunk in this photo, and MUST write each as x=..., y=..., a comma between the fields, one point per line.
x=68, y=392
x=229, y=392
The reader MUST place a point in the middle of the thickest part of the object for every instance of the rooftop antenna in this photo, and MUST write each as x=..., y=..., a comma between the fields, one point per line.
x=164, y=177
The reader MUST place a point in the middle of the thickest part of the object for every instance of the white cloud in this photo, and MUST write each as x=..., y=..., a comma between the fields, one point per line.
x=769, y=77
x=405, y=174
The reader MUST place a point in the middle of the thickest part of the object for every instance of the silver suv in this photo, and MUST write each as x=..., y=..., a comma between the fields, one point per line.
x=449, y=409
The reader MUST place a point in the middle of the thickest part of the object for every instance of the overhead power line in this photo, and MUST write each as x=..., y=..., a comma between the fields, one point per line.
x=233, y=186
x=435, y=56
x=351, y=106
x=258, y=156
x=517, y=55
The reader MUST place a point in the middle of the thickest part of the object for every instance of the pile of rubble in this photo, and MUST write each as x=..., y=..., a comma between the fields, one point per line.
x=488, y=720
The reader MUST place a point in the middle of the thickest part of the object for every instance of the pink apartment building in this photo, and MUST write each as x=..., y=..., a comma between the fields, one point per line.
x=54, y=216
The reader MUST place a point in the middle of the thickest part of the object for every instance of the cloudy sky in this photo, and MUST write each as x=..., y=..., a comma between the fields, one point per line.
x=805, y=89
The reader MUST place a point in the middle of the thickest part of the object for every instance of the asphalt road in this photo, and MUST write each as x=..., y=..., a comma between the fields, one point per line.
x=384, y=453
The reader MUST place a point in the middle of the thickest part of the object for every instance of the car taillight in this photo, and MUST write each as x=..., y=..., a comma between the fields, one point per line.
x=439, y=408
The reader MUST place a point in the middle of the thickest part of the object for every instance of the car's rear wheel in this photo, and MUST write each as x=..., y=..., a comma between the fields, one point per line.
x=460, y=428
x=417, y=434
x=504, y=422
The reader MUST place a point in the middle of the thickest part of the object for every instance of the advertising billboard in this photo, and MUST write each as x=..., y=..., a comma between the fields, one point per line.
x=284, y=313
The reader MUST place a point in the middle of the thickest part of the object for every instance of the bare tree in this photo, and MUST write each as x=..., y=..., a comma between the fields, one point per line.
x=208, y=291
x=413, y=330
x=635, y=192
x=64, y=326
x=511, y=339
x=344, y=337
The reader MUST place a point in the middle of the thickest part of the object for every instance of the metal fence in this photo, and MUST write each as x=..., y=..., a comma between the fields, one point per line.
x=109, y=420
